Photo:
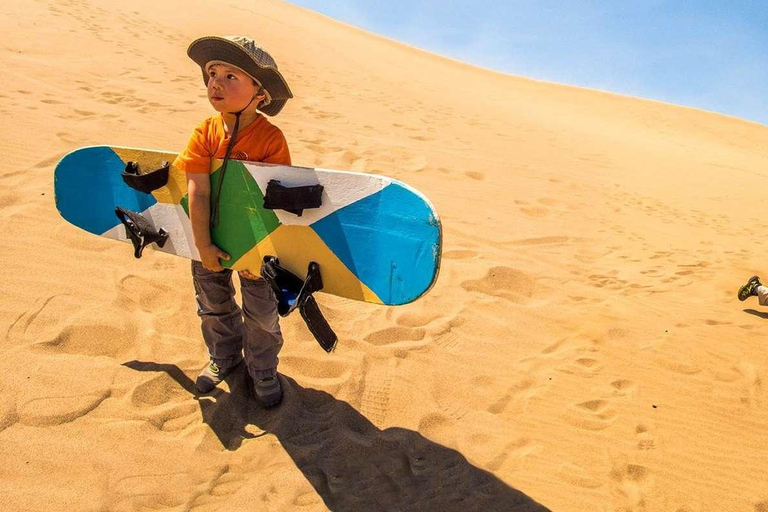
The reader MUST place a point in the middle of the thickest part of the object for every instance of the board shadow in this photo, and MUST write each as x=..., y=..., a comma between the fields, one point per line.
x=352, y=464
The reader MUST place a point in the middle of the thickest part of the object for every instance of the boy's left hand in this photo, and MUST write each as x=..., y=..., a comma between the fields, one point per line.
x=246, y=274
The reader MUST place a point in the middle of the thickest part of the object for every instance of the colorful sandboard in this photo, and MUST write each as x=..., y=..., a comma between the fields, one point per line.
x=376, y=239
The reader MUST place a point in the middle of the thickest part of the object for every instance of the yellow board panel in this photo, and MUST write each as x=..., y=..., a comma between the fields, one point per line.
x=151, y=160
x=295, y=244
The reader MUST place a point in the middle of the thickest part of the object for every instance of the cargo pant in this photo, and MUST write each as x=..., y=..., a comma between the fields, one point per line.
x=762, y=295
x=229, y=331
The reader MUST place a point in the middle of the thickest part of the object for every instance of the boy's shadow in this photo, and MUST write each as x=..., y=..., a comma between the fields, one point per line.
x=352, y=464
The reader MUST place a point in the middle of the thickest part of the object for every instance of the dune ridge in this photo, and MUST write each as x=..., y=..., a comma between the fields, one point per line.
x=583, y=348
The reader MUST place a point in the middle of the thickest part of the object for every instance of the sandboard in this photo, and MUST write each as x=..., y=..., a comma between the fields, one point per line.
x=376, y=239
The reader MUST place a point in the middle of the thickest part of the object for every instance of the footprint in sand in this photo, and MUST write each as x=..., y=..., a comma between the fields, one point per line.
x=479, y=176
x=227, y=483
x=20, y=327
x=7, y=203
x=447, y=337
x=505, y=282
x=459, y=254
x=61, y=394
x=316, y=142
x=682, y=367
x=374, y=399
x=535, y=211
x=145, y=491
x=592, y=414
x=603, y=281
x=545, y=240
x=438, y=428
x=520, y=391
x=417, y=319
x=8, y=414
x=48, y=162
x=149, y=296
x=617, y=333
x=624, y=387
x=319, y=148
x=91, y=339
x=67, y=137
x=633, y=481
x=748, y=379
x=352, y=161
x=175, y=417
x=415, y=164
x=558, y=347
x=582, y=367
x=515, y=450
x=56, y=410
x=320, y=114
x=578, y=476
x=158, y=390
x=393, y=335
x=645, y=438
x=317, y=371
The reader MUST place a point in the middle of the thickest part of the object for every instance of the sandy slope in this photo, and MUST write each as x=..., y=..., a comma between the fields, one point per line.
x=583, y=347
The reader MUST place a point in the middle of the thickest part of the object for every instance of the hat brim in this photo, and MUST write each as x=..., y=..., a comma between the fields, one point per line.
x=210, y=48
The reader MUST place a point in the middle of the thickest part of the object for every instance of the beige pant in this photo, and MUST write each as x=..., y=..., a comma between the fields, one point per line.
x=762, y=295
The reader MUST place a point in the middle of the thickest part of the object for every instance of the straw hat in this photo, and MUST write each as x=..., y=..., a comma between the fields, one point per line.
x=246, y=54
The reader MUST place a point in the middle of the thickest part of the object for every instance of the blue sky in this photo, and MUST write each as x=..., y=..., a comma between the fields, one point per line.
x=706, y=54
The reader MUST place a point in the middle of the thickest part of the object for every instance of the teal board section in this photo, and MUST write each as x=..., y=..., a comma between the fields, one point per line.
x=88, y=186
x=390, y=240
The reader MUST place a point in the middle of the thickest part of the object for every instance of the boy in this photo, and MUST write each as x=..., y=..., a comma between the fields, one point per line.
x=754, y=287
x=242, y=80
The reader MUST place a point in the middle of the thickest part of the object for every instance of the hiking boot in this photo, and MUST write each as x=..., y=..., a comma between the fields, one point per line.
x=749, y=289
x=212, y=375
x=268, y=391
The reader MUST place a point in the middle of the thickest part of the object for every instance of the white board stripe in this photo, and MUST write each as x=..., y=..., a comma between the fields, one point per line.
x=174, y=220
x=340, y=188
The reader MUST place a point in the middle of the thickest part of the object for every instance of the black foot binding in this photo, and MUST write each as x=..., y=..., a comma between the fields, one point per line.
x=140, y=231
x=292, y=199
x=146, y=182
x=294, y=293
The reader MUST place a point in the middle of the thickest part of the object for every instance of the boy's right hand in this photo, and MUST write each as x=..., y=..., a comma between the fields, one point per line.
x=210, y=257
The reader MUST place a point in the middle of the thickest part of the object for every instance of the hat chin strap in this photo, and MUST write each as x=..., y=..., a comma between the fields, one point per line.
x=215, y=201
x=243, y=109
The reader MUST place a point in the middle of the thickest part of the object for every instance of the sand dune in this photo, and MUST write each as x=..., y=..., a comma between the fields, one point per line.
x=583, y=348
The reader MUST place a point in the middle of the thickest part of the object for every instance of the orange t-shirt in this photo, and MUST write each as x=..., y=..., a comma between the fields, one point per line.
x=260, y=141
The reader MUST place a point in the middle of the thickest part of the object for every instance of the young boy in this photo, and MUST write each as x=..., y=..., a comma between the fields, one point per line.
x=242, y=80
x=754, y=287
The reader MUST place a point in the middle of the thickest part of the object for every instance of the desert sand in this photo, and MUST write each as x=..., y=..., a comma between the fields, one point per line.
x=583, y=348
